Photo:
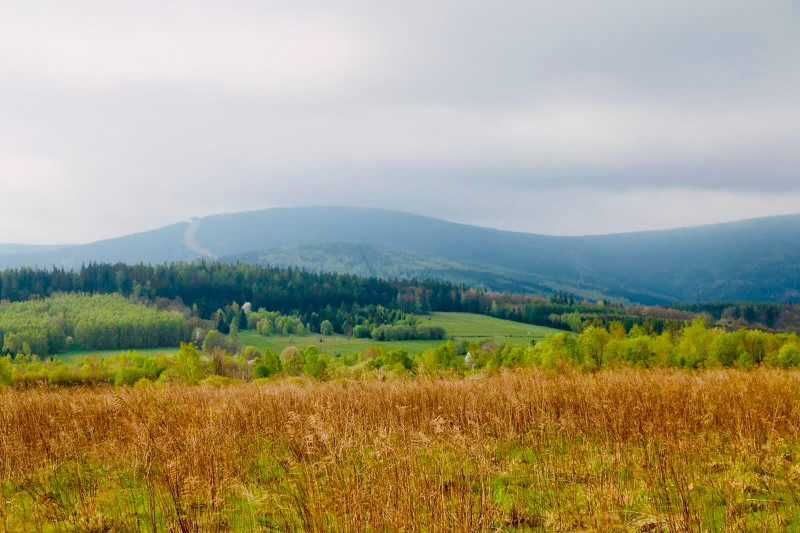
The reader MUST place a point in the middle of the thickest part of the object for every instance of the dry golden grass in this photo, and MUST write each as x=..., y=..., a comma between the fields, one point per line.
x=618, y=450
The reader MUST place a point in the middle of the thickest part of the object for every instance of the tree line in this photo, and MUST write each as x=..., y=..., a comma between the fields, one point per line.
x=204, y=286
x=346, y=301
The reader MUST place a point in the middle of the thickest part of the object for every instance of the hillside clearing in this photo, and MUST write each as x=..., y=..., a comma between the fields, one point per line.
x=468, y=325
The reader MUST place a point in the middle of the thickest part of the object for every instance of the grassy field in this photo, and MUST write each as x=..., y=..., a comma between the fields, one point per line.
x=466, y=325
x=82, y=354
x=623, y=450
x=458, y=326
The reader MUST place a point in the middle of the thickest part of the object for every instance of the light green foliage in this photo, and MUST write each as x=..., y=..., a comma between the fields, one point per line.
x=292, y=361
x=592, y=343
x=617, y=330
x=559, y=351
x=315, y=364
x=6, y=371
x=362, y=332
x=406, y=332
x=133, y=368
x=273, y=323
x=326, y=328
x=189, y=367
x=757, y=344
x=473, y=326
x=573, y=320
x=101, y=322
x=217, y=341
x=265, y=327
x=398, y=362
x=789, y=354
x=250, y=353
x=725, y=349
x=662, y=350
x=634, y=351
x=445, y=357
x=268, y=365
x=694, y=344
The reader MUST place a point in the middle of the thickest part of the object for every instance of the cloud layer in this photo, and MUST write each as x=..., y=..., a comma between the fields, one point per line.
x=118, y=117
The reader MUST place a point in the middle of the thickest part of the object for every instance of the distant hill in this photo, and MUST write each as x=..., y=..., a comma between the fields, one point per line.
x=754, y=260
x=13, y=249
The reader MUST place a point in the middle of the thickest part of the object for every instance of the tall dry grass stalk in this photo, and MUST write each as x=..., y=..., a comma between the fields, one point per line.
x=637, y=450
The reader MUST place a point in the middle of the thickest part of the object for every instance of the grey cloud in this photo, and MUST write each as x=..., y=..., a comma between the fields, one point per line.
x=120, y=116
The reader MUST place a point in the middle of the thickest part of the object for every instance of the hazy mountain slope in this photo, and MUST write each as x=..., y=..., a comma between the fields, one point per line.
x=13, y=249
x=341, y=257
x=157, y=246
x=367, y=260
x=750, y=260
x=274, y=228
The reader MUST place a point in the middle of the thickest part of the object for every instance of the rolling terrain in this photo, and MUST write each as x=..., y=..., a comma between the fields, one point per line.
x=753, y=260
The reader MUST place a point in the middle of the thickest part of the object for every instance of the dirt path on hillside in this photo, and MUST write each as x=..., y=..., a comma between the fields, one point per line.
x=191, y=242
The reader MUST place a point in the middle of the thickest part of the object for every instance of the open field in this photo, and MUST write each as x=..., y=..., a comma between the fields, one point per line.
x=617, y=450
x=76, y=355
x=467, y=325
x=458, y=326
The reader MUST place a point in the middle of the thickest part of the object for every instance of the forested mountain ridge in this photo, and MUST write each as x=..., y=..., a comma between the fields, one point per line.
x=375, y=261
x=753, y=260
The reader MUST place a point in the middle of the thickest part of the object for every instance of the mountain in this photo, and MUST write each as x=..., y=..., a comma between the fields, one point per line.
x=753, y=260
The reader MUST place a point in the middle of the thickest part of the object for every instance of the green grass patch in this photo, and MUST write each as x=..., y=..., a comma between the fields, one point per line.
x=468, y=325
x=79, y=355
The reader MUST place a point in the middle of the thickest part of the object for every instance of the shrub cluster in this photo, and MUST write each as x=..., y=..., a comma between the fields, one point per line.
x=269, y=323
x=405, y=332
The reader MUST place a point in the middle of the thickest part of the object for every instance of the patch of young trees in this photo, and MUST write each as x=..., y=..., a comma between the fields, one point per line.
x=270, y=323
x=99, y=322
x=408, y=332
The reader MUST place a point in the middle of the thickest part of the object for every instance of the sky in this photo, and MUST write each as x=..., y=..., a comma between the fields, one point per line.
x=577, y=117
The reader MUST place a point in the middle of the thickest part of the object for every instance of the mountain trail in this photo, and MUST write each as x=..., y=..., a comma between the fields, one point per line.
x=191, y=242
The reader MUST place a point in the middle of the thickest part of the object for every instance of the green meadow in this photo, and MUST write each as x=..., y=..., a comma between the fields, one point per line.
x=467, y=325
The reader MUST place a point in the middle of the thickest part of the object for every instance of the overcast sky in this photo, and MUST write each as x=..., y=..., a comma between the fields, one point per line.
x=552, y=117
